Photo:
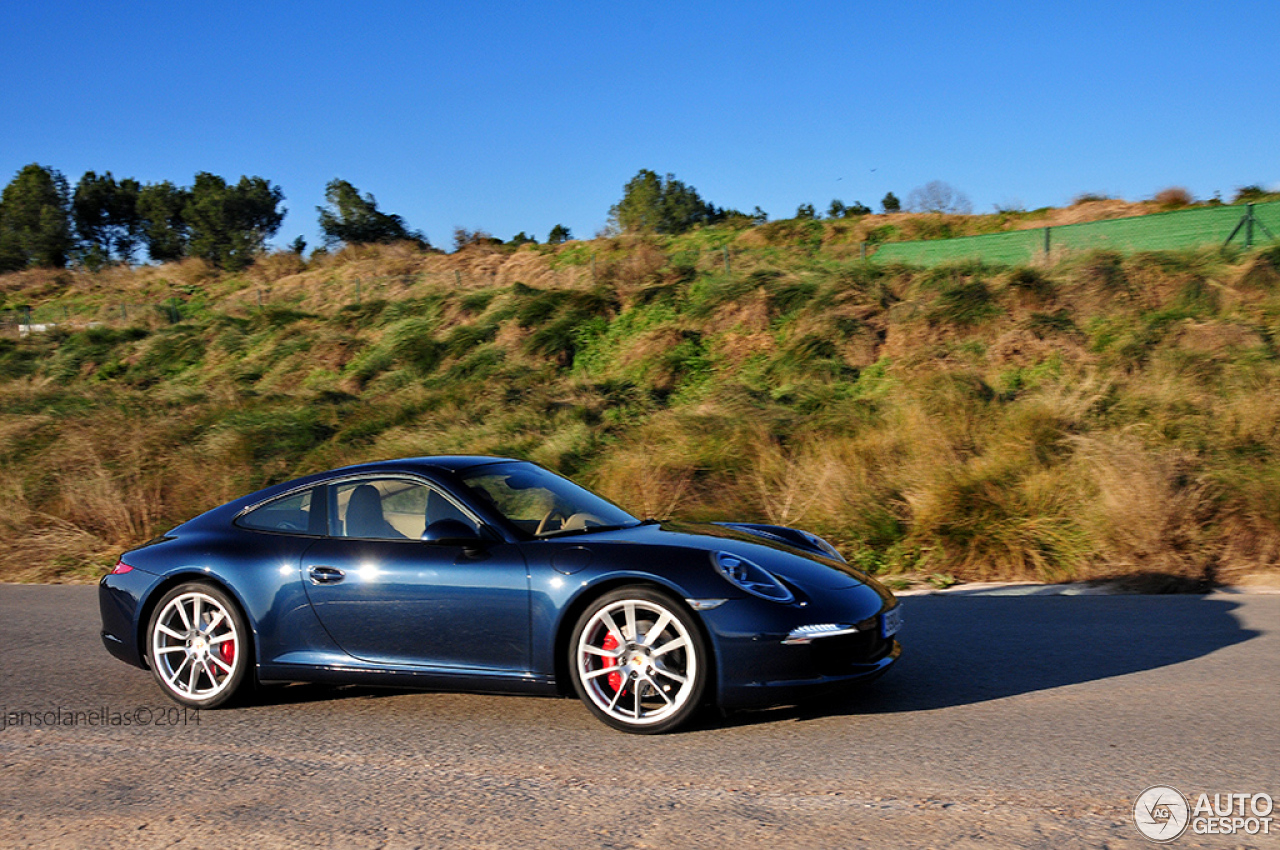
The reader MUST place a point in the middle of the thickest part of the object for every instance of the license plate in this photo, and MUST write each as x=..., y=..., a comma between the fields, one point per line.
x=891, y=622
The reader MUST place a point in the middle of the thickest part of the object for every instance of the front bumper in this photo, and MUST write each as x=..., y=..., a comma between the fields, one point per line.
x=765, y=657
x=759, y=692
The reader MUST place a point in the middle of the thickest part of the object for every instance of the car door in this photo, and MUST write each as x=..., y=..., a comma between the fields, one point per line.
x=387, y=597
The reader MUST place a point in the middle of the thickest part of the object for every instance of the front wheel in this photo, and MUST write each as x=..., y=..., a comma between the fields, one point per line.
x=638, y=661
x=197, y=644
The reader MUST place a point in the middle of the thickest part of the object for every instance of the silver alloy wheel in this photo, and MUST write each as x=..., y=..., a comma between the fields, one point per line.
x=196, y=647
x=637, y=663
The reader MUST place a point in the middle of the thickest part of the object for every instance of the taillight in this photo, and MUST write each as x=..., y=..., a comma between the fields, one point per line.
x=121, y=568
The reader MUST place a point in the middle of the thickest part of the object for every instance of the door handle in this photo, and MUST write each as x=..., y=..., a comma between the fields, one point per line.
x=326, y=575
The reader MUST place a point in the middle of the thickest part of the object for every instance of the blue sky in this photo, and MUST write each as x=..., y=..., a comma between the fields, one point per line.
x=518, y=116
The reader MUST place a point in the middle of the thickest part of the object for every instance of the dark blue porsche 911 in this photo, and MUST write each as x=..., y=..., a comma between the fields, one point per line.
x=491, y=574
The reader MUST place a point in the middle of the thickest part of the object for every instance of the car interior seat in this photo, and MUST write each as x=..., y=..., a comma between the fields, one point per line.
x=364, y=515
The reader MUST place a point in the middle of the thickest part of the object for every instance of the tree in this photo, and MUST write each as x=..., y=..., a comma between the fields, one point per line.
x=806, y=212
x=356, y=220
x=890, y=203
x=1255, y=194
x=35, y=222
x=299, y=245
x=641, y=206
x=231, y=224
x=164, y=229
x=106, y=218
x=558, y=235
x=736, y=219
x=462, y=238
x=653, y=204
x=938, y=197
x=522, y=238
x=838, y=209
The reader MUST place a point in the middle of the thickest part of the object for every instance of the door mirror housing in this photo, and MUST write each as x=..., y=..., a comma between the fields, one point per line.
x=451, y=532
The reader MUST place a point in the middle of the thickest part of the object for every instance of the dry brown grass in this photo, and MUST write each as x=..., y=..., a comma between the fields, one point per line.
x=1149, y=510
x=109, y=484
x=1259, y=273
x=789, y=482
x=647, y=479
x=394, y=272
x=110, y=494
x=275, y=266
x=1100, y=210
x=634, y=269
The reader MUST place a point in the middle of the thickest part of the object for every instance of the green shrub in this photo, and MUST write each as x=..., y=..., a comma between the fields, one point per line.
x=466, y=337
x=416, y=347
x=964, y=302
x=883, y=233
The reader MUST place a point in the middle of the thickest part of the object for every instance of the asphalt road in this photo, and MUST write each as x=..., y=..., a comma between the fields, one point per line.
x=1010, y=721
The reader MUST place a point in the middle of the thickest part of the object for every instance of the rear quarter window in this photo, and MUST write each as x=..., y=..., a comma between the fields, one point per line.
x=296, y=513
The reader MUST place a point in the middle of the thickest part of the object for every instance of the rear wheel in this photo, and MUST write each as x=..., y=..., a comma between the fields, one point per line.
x=638, y=661
x=197, y=644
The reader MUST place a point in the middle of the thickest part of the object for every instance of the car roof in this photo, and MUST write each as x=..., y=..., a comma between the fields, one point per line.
x=443, y=463
x=447, y=464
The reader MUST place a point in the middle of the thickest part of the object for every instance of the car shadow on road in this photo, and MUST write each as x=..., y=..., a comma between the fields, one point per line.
x=964, y=650
x=299, y=693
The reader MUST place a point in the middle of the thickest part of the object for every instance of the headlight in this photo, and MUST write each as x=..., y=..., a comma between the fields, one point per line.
x=754, y=579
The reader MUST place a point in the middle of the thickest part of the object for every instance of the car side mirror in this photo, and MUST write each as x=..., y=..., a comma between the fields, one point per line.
x=451, y=532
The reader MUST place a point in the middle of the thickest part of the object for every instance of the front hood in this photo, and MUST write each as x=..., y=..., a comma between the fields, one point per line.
x=792, y=564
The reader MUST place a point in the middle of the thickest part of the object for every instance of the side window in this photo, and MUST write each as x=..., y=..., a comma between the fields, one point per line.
x=389, y=509
x=524, y=506
x=290, y=514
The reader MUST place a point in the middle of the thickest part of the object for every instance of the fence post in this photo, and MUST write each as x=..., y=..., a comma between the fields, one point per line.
x=1247, y=223
x=593, y=268
x=357, y=290
x=1046, y=242
x=862, y=250
x=457, y=278
x=124, y=313
x=727, y=269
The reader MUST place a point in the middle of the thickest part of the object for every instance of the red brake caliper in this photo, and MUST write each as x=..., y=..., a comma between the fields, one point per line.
x=609, y=645
x=227, y=649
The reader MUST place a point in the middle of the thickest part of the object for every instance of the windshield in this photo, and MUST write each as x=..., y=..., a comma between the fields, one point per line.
x=541, y=502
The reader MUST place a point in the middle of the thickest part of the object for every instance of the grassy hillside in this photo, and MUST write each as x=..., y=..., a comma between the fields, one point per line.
x=1101, y=416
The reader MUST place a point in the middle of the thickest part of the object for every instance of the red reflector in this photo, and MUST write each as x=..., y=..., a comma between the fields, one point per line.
x=121, y=568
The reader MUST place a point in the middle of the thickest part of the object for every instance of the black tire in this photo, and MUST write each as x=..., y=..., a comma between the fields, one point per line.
x=198, y=645
x=638, y=661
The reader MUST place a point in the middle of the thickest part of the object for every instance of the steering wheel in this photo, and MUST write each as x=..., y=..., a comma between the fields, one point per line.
x=581, y=520
x=546, y=520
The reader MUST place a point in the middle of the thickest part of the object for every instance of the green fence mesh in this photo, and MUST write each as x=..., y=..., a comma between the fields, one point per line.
x=1155, y=232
